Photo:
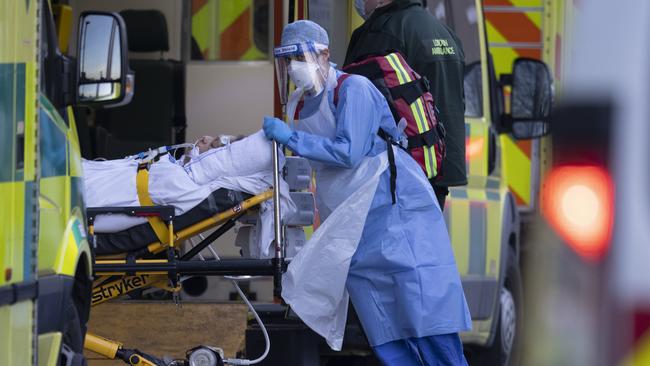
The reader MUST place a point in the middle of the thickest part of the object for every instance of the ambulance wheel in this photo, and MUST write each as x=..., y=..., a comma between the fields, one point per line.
x=76, y=316
x=72, y=342
x=505, y=348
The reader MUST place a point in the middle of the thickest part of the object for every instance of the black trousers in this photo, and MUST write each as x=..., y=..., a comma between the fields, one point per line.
x=441, y=194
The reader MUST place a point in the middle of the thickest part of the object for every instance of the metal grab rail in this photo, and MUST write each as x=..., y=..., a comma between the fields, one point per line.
x=278, y=260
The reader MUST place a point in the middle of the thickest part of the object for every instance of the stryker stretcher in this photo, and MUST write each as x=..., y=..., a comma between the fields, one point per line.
x=148, y=255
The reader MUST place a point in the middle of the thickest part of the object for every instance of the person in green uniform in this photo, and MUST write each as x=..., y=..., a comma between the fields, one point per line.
x=434, y=52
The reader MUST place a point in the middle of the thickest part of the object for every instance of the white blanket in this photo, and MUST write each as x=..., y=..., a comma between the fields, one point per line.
x=244, y=166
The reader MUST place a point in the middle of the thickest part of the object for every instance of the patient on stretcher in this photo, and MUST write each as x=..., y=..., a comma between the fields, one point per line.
x=213, y=177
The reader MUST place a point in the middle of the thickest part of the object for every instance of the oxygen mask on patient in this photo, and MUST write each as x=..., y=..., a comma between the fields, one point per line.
x=206, y=143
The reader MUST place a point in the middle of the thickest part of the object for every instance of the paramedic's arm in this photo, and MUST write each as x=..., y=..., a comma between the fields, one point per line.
x=357, y=123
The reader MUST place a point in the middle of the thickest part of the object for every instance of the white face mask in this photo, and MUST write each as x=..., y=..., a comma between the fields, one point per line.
x=360, y=6
x=305, y=76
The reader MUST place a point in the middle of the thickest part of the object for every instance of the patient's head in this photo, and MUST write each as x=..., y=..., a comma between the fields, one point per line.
x=206, y=143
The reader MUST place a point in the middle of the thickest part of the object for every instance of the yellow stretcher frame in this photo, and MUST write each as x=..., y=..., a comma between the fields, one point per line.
x=105, y=289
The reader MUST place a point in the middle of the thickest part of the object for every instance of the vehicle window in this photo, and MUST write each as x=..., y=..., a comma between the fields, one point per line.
x=473, y=90
x=461, y=17
x=230, y=30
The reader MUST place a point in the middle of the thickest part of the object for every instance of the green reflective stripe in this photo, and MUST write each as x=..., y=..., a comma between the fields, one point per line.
x=12, y=111
x=401, y=73
x=76, y=232
x=52, y=113
x=418, y=112
x=20, y=118
x=431, y=163
x=76, y=195
x=52, y=147
x=459, y=193
x=417, y=107
x=493, y=196
x=53, y=140
x=7, y=122
x=477, y=237
x=492, y=183
x=404, y=78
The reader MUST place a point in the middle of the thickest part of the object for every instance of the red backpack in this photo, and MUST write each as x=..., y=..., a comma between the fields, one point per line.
x=408, y=97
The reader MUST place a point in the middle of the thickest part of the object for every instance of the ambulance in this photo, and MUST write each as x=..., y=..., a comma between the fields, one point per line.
x=45, y=257
x=216, y=58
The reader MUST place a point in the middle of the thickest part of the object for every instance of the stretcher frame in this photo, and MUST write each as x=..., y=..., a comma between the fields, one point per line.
x=165, y=273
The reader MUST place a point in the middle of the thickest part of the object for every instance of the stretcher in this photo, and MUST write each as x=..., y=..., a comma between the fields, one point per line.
x=161, y=264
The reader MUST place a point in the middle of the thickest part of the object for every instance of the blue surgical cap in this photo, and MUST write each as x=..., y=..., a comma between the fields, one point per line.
x=304, y=31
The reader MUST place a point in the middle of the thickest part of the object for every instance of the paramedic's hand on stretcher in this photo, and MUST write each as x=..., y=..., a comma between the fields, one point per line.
x=277, y=130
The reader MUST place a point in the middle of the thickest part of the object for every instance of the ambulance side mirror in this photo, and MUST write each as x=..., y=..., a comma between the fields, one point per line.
x=103, y=76
x=531, y=99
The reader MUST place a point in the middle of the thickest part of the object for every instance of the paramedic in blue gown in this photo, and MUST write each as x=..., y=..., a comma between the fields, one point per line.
x=403, y=281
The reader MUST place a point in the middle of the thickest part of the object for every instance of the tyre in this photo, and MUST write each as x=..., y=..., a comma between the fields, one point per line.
x=73, y=339
x=505, y=349
x=76, y=316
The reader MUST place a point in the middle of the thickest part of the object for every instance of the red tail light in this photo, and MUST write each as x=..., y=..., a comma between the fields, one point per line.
x=578, y=202
x=473, y=147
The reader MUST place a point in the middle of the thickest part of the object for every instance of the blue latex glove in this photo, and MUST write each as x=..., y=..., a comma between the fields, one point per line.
x=277, y=130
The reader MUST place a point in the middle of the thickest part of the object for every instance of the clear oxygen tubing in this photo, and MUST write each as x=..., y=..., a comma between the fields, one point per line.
x=267, y=340
x=150, y=154
x=279, y=252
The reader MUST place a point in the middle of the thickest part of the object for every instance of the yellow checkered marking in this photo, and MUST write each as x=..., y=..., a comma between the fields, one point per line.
x=477, y=207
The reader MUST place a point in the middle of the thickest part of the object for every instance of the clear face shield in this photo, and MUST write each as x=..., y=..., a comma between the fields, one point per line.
x=301, y=64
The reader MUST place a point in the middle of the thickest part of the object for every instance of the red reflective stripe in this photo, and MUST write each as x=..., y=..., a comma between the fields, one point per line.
x=641, y=324
x=497, y=3
x=515, y=27
x=301, y=9
x=197, y=5
x=528, y=52
x=518, y=199
x=526, y=147
x=236, y=39
x=147, y=214
x=339, y=82
x=296, y=115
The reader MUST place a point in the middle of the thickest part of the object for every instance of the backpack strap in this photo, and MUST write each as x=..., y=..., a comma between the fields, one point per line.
x=410, y=91
x=385, y=136
x=296, y=116
x=391, y=161
x=339, y=82
x=428, y=138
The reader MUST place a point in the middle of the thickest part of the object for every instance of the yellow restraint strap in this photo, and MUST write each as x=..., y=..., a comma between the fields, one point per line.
x=158, y=226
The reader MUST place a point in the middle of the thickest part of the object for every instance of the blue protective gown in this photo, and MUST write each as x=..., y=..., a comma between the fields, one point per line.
x=403, y=280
